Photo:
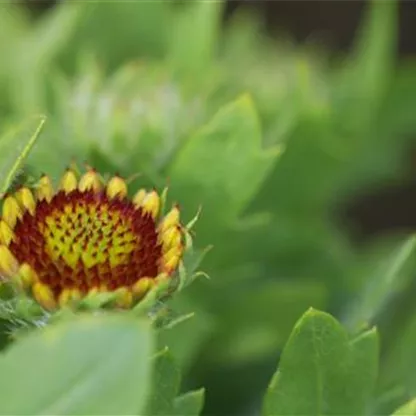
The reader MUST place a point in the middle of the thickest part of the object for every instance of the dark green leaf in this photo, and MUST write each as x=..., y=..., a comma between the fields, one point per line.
x=275, y=307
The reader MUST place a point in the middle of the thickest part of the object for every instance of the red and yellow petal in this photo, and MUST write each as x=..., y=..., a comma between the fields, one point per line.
x=44, y=295
x=11, y=211
x=69, y=181
x=44, y=190
x=116, y=188
x=170, y=220
x=27, y=275
x=26, y=199
x=9, y=266
x=6, y=233
x=90, y=181
x=151, y=204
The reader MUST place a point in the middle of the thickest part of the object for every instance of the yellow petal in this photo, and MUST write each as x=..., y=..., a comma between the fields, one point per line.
x=11, y=211
x=8, y=263
x=162, y=277
x=44, y=295
x=172, y=237
x=139, y=197
x=142, y=286
x=124, y=297
x=170, y=220
x=68, y=296
x=27, y=275
x=26, y=199
x=90, y=181
x=44, y=189
x=151, y=204
x=171, y=259
x=116, y=187
x=6, y=233
x=69, y=181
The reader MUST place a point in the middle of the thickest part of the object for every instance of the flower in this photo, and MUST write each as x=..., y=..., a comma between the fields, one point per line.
x=86, y=238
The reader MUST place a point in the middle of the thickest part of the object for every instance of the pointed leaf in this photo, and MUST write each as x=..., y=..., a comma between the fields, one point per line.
x=87, y=366
x=139, y=28
x=14, y=148
x=384, y=283
x=409, y=409
x=321, y=372
x=222, y=166
x=190, y=403
x=165, y=385
x=365, y=79
x=192, y=55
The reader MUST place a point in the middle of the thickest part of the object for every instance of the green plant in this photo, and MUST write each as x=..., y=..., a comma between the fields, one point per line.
x=269, y=138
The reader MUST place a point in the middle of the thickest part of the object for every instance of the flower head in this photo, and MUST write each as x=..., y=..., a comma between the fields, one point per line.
x=87, y=237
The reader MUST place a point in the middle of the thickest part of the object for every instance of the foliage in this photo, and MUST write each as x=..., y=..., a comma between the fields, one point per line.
x=269, y=138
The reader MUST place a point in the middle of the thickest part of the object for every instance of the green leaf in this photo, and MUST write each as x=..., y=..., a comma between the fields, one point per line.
x=321, y=372
x=274, y=307
x=365, y=77
x=92, y=365
x=165, y=385
x=14, y=148
x=222, y=166
x=190, y=403
x=47, y=39
x=192, y=55
x=409, y=409
x=399, y=363
x=386, y=280
x=139, y=28
x=185, y=340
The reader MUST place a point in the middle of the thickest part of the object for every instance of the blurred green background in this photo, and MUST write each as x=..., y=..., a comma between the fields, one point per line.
x=299, y=152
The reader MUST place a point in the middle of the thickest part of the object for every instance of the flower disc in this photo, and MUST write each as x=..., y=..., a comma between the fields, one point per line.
x=84, y=239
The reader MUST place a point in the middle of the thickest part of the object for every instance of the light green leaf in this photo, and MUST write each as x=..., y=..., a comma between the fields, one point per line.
x=222, y=166
x=92, y=365
x=321, y=372
x=165, y=385
x=47, y=40
x=387, y=279
x=14, y=148
x=409, y=409
x=139, y=28
x=365, y=77
x=190, y=403
x=192, y=55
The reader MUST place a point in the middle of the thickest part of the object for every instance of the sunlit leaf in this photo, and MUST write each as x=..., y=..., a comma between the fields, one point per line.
x=189, y=404
x=409, y=409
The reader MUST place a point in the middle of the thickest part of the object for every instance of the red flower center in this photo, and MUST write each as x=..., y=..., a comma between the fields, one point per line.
x=84, y=240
